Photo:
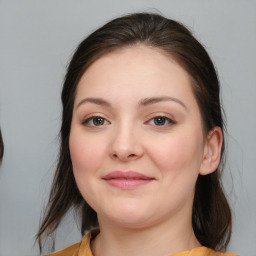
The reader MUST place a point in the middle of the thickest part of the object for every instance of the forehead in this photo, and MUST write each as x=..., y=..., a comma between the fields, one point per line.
x=141, y=69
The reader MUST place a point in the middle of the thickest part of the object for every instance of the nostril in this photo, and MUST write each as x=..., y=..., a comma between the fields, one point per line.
x=128, y=156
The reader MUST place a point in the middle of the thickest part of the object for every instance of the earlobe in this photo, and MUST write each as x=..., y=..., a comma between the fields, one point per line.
x=212, y=151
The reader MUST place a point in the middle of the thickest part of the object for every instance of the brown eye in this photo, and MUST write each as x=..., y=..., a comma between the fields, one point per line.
x=95, y=121
x=98, y=121
x=162, y=121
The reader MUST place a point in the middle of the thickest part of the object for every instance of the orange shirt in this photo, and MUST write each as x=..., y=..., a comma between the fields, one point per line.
x=83, y=249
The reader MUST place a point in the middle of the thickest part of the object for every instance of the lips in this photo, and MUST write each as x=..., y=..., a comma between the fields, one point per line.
x=127, y=179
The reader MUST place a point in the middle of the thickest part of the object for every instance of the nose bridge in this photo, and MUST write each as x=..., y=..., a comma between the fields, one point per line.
x=125, y=143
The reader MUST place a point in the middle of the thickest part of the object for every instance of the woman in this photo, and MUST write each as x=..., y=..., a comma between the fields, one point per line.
x=141, y=144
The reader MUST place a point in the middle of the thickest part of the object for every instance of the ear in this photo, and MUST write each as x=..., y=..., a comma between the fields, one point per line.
x=212, y=151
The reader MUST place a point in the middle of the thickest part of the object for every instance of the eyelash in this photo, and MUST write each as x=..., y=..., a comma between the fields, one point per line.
x=162, y=120
x=87, y=121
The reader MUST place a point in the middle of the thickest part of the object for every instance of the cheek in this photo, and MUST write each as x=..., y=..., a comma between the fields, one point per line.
x=178, y=155
x=178, y=160
x=85, y=153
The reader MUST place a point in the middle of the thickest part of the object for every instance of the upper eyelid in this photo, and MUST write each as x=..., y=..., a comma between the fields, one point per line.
x=161, y=114
x=168, y=118
x=85, y=117
x=148, y=118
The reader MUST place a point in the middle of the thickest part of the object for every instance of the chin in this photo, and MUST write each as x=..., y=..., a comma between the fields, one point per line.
x=129, y=216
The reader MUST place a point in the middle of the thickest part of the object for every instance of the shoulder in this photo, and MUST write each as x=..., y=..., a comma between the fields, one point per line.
x=79, y=249
x=203, y=251
x=72, y=250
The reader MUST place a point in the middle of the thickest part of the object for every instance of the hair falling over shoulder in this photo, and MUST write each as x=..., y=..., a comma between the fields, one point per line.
x=1, y=147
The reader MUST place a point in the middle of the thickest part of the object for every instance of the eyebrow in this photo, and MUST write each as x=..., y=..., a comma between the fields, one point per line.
x=97, y=101
x=154, y=100
x=143, y=102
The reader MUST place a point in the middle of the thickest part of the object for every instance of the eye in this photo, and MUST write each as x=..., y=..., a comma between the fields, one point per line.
x=95, y=121
x=161, y=121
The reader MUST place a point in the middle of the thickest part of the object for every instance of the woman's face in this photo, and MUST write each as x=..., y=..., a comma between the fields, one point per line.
x=136, y=139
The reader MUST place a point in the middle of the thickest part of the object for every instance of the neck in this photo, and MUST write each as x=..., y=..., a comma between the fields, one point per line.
x=158, y=240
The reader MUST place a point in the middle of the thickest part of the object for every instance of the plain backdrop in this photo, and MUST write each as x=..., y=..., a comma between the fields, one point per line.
x=37, y=38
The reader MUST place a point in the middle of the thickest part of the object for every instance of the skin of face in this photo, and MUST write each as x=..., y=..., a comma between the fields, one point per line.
x=115, y=128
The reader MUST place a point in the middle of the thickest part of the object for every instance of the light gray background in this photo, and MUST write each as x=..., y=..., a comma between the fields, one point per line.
x=37, y=39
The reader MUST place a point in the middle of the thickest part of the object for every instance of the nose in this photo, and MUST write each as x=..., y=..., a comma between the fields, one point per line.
x=126, y=144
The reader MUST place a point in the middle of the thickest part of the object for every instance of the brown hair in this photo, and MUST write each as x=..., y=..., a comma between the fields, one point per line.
x=211, y=213
x=1, y=147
